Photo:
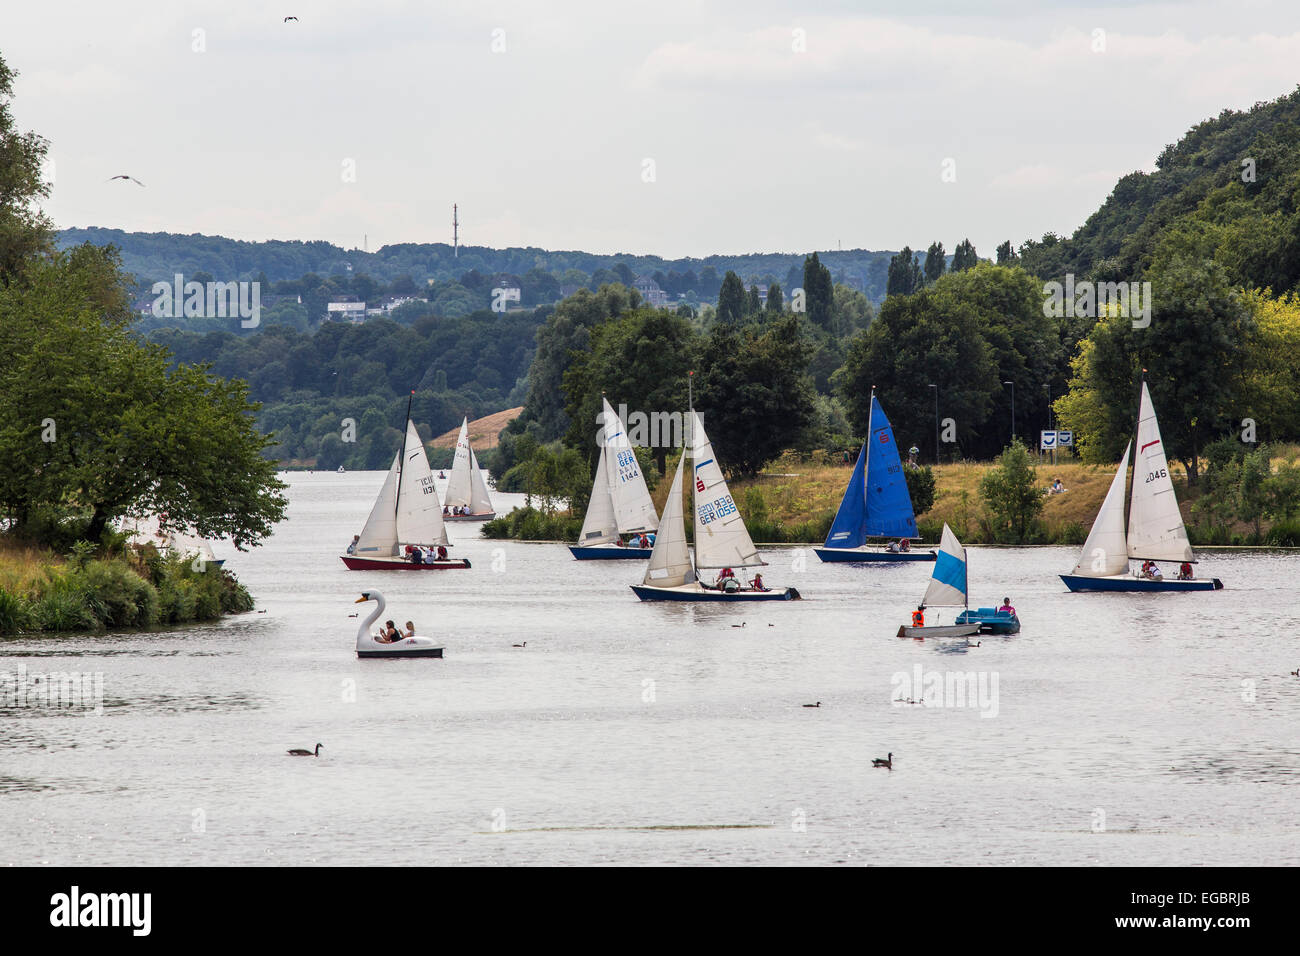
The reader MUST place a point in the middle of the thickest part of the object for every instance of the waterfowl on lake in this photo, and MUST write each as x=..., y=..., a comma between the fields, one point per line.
x=886, y=762
x=299, y=752
x=818, y=704
x=741, y=624
x=524, y=644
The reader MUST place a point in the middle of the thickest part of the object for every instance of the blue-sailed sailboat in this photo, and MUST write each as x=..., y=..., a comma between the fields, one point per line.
x=876, y=503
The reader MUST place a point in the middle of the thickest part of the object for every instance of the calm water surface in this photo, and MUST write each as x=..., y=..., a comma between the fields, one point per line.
x=1125, y=729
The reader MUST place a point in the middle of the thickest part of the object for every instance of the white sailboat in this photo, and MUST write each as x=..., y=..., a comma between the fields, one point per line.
x=620, y=501
x=721, y=539
x=152, y=529
x=406, y=512
x=467, y=492
x=947, y=588
x=1155, y=528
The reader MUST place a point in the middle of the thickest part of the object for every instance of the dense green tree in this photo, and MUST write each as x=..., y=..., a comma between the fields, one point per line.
x=753, y=302
x=905, y=276
x=819, y=292
x=920, y=487
x=24, y=230
x=935, y=262
x=731, y=299
x=752, y=389
x=964, y=256
x=638, y=359
x=94, y=421
x=1006, y=255
x=1012, y=495
x=775, y=299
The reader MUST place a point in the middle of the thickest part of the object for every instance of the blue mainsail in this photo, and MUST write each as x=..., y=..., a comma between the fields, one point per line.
x=849, y=530
x=876, y=503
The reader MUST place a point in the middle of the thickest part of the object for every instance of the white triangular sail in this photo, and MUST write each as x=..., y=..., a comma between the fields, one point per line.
x=670, y=561
x=1105, y=553
x=721, y=539
x=600, y=526
x=948, y=580
x=379, y=536
x=633, y=508
x=1155, y=525
x=419, y=513
x=458, y=486
x=480, y=502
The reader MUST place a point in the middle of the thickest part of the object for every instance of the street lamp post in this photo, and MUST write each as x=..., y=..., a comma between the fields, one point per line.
x=1013, y=409
x=1048, y=388
x=936, y=422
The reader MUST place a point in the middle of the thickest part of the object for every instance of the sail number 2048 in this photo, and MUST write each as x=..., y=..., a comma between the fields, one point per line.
x=1153, y=475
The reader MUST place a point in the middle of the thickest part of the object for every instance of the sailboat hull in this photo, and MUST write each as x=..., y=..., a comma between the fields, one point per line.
x=609, y=553
x=1126, y=582
x=860, y=556
x=484, y=516
x=694, y=593
x=399, y=564
x=940, y=630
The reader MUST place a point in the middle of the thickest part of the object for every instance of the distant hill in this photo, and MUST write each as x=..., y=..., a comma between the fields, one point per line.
x=1229, y=190
x=484, y=433
x=158, y=256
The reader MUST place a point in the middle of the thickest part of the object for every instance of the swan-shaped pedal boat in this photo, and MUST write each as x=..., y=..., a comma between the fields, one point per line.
x=370, y=646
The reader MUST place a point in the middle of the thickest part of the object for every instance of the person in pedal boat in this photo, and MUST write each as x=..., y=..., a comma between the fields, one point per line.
x=390, y=634
x=1006, y=607
x=918, y=616
x=410, y=630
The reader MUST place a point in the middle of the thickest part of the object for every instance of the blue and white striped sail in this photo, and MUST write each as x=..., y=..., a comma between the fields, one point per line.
x=948, y=582
x=876, y=503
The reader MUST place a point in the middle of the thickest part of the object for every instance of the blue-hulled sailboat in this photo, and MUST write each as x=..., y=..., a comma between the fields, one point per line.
x=1155, y=524
x=620, y=502
x=721, y=539
x=876, y=503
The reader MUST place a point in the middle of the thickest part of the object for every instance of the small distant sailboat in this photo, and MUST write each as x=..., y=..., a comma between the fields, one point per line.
x=620, y=502
x=1156, y=531
x=466, y=490
x=406, y=512
x=876, y=502
x=721, y=539
x=152, y=529
x=948, y=588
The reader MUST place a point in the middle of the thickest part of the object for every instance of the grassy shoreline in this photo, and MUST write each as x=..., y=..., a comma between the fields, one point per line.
x=42, y=592
x=793, y=502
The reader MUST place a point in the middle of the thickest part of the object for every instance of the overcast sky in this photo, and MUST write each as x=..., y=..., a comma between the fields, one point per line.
x=771, y=126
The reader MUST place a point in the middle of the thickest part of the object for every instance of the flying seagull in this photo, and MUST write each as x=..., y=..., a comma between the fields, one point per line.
x=124, y=176
x=287, y=19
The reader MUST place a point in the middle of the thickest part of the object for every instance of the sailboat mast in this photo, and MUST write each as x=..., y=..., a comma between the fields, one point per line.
x=401, y=459
x=866, y=464
x=1129, y=482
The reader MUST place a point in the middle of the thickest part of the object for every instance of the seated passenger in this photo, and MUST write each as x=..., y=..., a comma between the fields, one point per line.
x=1185, y=571
x=757, y=583
x=904, y=545
x=1006, y=607
x=442, y=553
x=410, y=630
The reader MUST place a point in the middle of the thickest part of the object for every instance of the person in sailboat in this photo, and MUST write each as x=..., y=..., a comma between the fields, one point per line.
x=757, y=583
x=904, y=545
x=1185, y=571
x=352, y=548
x=442, y=553
x=893, y=547
x=446, y=512
x=726, y=580
x=918, y=616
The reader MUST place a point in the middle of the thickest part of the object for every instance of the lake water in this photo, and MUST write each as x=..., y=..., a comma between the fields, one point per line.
x=1114, y=729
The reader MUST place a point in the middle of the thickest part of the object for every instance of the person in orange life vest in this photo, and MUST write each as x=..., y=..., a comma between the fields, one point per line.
x=918, y=616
